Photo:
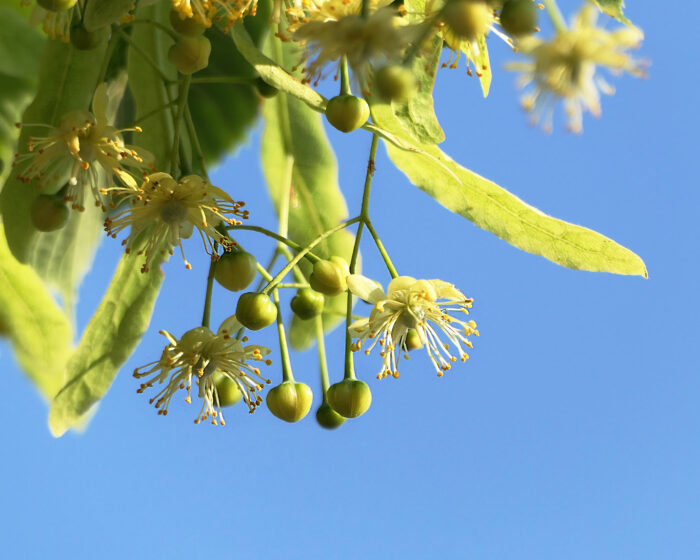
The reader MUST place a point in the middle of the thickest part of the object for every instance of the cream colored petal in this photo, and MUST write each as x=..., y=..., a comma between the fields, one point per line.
x=400, y=283
x=365, y=288
x=229, y=326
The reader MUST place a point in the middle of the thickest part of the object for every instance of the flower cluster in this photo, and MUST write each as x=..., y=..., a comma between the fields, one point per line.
x=567, y=67
x=196, y=357
x=82, y=146
x=226, y=12
x=165, y=211
x=333, y=29
x=412, y=305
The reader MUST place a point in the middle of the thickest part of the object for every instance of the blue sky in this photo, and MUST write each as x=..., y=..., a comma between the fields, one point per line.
x=571, y=433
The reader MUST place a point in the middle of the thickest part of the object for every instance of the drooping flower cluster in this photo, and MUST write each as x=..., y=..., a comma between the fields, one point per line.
x=333, y=29
x=165, y=211
x=226, y=12
x=567, y=68
x=195, y=358
x=423, y=306
x=56, y=24
x=83, y=145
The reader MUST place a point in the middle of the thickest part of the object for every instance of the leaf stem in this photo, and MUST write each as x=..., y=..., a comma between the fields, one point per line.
x=181, y=105
x=206, y=315
x=173, y=35
x=555, y=15
x=301, y=254
x=344, y=76
x=223, y=80
x=309, y=256
x=322, y=362
x=364, y=218
x=284, y=349
x=382, y=251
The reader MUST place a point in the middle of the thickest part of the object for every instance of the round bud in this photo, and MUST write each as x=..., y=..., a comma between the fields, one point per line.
x=395, y=83
x=328, y=418
x=468, y=19
x=290, y=401
x=48, y=212
x=82, y=39
x=342, y=263
x=307, y=303
x=519, y=17
x=57, y=5
x=265, y=89
x=187, y=26
x=412, y=341
x=190, y=54
x=228, y=391
x=349, y=398
x=329, y=278
x=347, y=112
x=255, y=311
x=235, y=271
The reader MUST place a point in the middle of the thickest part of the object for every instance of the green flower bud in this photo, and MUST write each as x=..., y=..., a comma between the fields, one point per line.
x=228, y=391
x=82, y=39
x=468, y=19
x=395, y=83
x=349, y=398
x=412, y=341
x=329, y=277
x=190, y=54
x=255, y=311
x=265, y=89
x=235, y=271
x=56, y=5
x=187, y=26
x=290, y=401
x=48, y=212
x=307, y=303
x=519, y=17
x=347, y=112
x=328, y=418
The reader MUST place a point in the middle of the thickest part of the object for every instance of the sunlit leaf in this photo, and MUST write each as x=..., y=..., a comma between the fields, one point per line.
x=614, y=9
x=109, y=339
x=40, y=333
x=496, y=210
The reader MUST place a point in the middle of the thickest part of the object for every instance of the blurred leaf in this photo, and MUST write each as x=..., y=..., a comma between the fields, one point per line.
x=292, y=130
x=67, y=80
x=502, y=213
x=39, y=331
x=109, y=339
x=614, y=9
x=18, y=7
x=148, y=90
x=99, y=13
x=223, y=112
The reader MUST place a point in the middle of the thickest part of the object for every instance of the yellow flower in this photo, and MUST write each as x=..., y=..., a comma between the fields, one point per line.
x=197, y=356
x=409, y=305
x=55, y=24
x=226, y=12
x=82, y=143
x=567, y=68
x=333, y=29
x=165, y=211
x=464, y=25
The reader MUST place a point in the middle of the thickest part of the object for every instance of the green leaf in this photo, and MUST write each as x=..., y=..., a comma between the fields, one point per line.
x=294, y=136
x=223, y=112
x=67, y=81
x=109, y=339
x=496, y=210
x=417, y=114
x=272, y=73
x=99, y=13
x=613, y=8
x=39, y=331
x=150, y=47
